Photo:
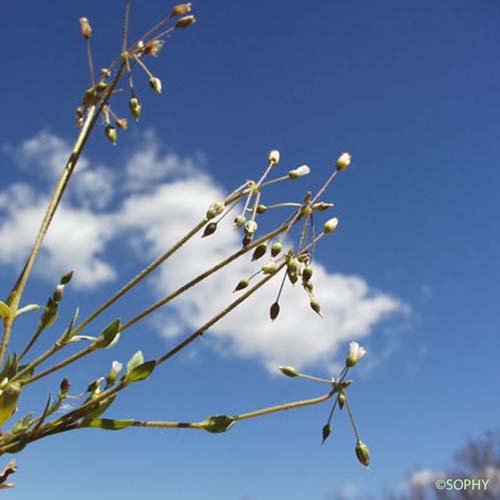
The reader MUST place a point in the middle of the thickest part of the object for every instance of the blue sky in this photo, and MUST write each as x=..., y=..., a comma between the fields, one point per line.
x=412, y=91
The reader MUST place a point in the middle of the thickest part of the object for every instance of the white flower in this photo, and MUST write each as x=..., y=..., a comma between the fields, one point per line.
x=330, y=225
x=343, y=161
x=274, y=157
x=356, y=352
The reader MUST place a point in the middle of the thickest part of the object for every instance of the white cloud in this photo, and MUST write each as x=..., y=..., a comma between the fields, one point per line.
x=424, y=477
x=158, y=203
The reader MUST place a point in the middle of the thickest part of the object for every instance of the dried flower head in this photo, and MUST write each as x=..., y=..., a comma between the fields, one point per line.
x=274, y=157
x=185, y=21
x=181, y=9
x=330, y=225
x=153, y=48
x=299, y=172
x=356, y=352
x=155, y=84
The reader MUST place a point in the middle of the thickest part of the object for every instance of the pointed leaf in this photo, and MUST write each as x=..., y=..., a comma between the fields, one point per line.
x=5, y=310
x=136, y=360
x=140, y=372
x=110, y=335
x=68, y=334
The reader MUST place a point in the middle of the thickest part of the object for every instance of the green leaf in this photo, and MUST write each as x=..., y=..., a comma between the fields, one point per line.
x=111, y=334
x=22, y=425
x=110, y=424
x=218, y=423
x=5, y=310
x=99, y=409
x=68, y=334
x=140, y=372
x=28, y=308
x=136, y=360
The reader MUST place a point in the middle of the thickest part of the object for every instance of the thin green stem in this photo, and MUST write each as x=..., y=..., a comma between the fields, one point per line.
x=351, y=417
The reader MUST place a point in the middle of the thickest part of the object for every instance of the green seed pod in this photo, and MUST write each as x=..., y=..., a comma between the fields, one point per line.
x=135, y=108
x=308, y=287
x=326, y=431
x=259, y=251
x=261, y=209
x=341, y=400
x=111, y=134
x=209, y=229
x=274, y=311
x=316, y=307
x=9, y=396
x=289, y=371
x=363, y=453
x=276, y=249
x=270, y=268
x=292, y=270
x=241, y=285
x=307, y=274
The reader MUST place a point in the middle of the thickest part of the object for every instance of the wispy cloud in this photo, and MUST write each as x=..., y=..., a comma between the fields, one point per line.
x=160, y=194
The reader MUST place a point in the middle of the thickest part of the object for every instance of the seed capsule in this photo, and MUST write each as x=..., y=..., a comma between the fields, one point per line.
x=269, y=268
x=325, y=432
x=307, y=274
x=251, y=227
x=209, y=229
x=261, y=209
x=241, y=285
x=185, y=21
x=316, y=307
x=363, y=453
x=289, y=371
x=274, y=311
x=239, y=221
x=181, y=9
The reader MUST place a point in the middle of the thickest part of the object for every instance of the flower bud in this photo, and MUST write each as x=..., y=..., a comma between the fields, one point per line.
x=66, y=278
x=289, y=371
x=181, y=9
x=135, y=108
x=261, y=209
x=343, y=161
x=274, y=311
x=116, y=368
x=341, y=400
x=259, y=251
x=209, y=229
x=121, y=123
x=322, y=206
x=241, y=285
x=64, y=387
x=155, y=84
x=316, y=307
x=239, y=221
x=269, y=268
x=330, y=225
x=363, y=453
x=247, y=239
x=274, y=157
x=325, y=432
x=111, y=134
x=251, y=227
x=185, y=21
x=105, y=73
x=276, y=249
x=299, y=172
x=85, y=27
x=215, y=209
